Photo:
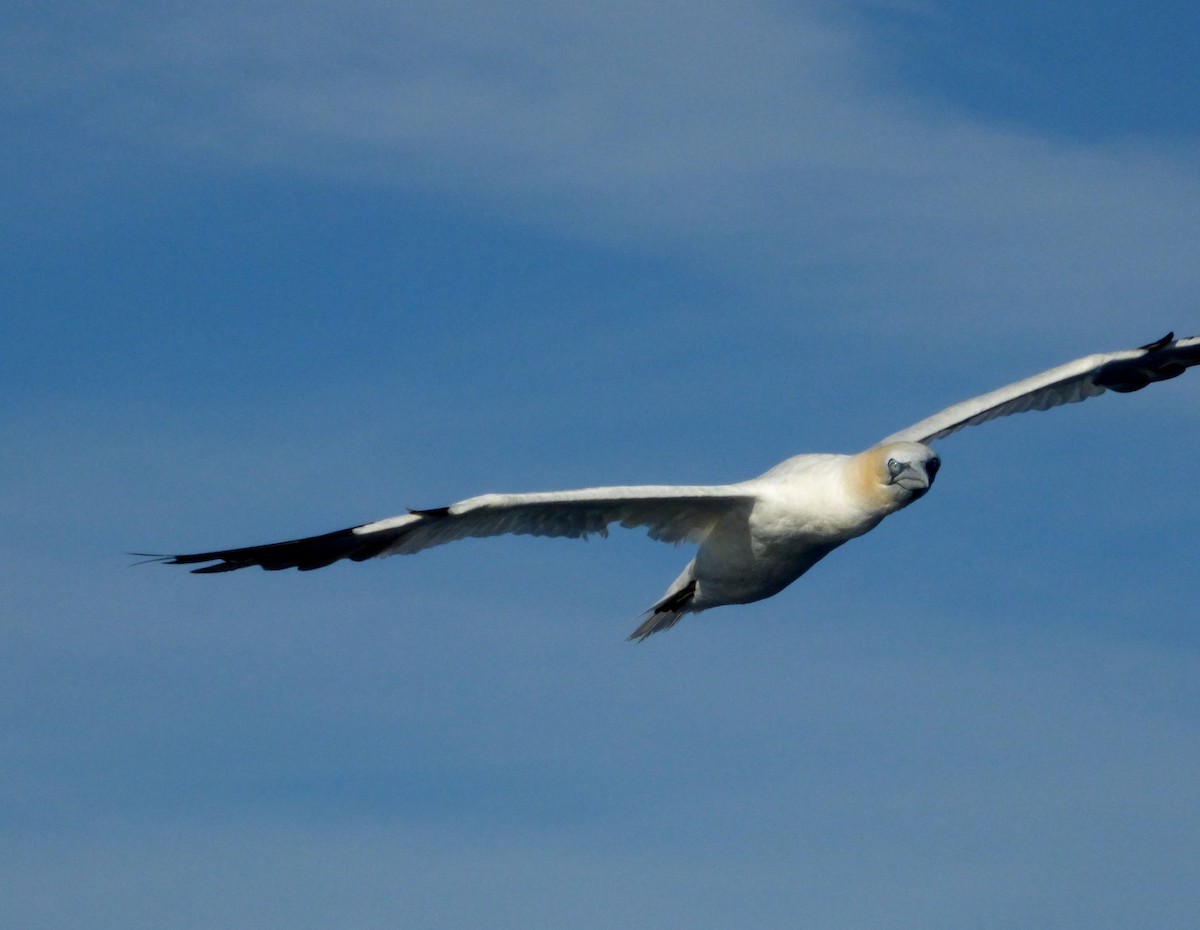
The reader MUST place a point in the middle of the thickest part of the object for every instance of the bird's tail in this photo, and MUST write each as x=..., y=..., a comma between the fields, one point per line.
x=666, y=613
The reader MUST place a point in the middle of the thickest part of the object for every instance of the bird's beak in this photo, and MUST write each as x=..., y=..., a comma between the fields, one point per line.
x=915, y=478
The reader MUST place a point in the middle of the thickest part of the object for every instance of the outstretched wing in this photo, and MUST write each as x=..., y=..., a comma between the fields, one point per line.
x=670, y=514
x=1087, y=377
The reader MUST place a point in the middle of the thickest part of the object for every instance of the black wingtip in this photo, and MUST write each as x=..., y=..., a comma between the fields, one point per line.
x=304, y=554
x=1159, y=343
x=1160, y=360
x=145, y=558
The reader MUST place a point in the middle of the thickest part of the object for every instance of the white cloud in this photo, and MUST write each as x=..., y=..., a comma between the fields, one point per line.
x=740, y=131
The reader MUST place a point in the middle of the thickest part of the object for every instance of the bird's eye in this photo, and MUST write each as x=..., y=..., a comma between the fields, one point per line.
x=894, y=468
x=932, y=466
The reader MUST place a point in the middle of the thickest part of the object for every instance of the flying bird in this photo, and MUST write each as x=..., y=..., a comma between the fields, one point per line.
x=755, y=537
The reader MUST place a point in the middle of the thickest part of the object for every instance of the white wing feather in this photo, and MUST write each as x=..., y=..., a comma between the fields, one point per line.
x=1075, y=381
x=670, y=514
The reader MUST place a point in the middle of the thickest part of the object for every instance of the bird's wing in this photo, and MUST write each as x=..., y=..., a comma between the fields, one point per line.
x=1126, y=371
x=671, y=514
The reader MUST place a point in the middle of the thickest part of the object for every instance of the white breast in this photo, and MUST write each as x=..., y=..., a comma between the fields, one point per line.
x=804, y=508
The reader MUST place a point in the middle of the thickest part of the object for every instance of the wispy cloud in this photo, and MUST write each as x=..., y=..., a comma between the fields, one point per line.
x=742, y=130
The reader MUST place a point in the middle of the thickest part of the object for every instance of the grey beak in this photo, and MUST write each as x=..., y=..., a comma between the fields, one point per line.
x=916, y=478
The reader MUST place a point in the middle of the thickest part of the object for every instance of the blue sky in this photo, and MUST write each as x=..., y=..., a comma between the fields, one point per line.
x=271, y=270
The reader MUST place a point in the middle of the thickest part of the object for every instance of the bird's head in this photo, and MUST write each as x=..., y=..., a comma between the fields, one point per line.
x=902, y=471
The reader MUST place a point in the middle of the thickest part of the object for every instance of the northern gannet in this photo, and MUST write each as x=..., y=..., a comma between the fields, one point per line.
x=755, y=537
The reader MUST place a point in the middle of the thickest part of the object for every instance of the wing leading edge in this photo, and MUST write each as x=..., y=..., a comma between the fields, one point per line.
x=1071, y=383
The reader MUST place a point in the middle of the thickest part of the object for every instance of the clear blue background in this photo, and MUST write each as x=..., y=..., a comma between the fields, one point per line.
x=273, y=269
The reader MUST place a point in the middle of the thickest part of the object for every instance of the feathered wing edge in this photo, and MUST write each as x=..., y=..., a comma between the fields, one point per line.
x=304, y=554
x=670, y=514
x=1071, y=383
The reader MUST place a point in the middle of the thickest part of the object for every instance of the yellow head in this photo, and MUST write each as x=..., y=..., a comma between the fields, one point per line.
x=895, y=474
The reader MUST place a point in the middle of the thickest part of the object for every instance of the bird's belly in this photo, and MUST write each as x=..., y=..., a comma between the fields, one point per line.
x=728, y=584
x=762, y=556
x=750, y=567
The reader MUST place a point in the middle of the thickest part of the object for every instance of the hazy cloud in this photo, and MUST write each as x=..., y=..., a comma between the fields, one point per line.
x=744, y=130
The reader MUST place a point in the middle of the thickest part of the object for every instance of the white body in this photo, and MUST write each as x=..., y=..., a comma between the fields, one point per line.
x=803, y=509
